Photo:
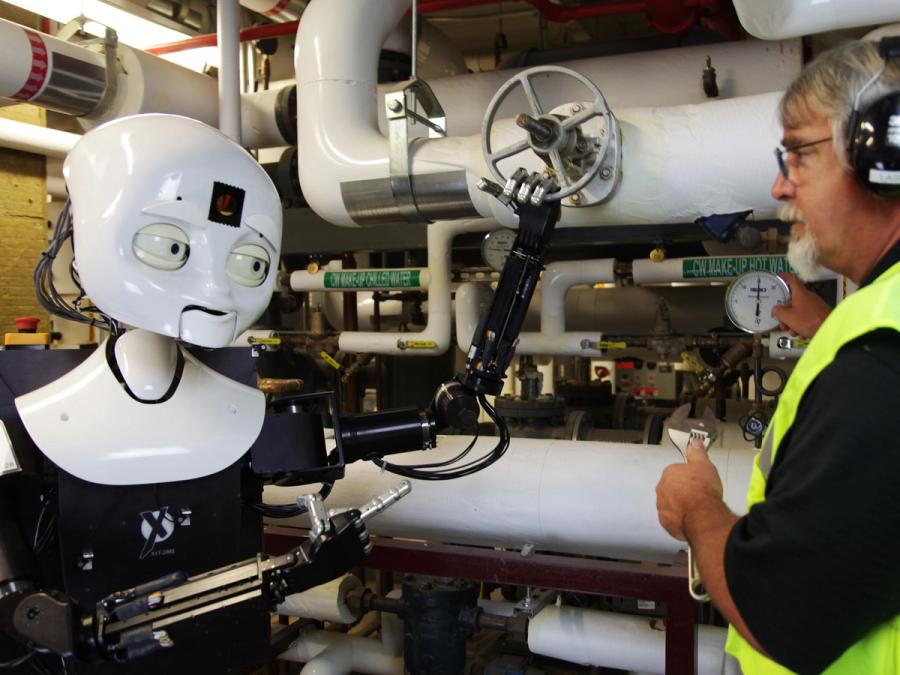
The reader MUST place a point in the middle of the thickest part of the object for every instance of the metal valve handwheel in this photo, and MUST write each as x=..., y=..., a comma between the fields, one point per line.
x=548, y=135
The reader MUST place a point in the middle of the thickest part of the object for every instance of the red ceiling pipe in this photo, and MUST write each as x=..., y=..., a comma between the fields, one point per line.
x=210, y=40
x=667, y=16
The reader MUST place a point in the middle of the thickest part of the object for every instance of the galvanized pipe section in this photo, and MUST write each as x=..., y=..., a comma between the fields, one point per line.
x=228, y=25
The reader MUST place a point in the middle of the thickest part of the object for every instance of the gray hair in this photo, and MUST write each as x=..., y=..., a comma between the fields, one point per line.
x=829, y=84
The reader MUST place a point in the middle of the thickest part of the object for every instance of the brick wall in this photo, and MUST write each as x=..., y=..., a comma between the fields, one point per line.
x=23, y=224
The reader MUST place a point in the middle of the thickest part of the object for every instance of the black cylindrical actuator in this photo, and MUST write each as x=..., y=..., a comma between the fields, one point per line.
x=385, y=433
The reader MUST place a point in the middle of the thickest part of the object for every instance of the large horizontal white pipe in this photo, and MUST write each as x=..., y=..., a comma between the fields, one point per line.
x=32, y=138
x=328, y=653
x=779, y=19
x=337, y=281
x=663, y=77
x=542, y=492
x=711, y=268
x=679, y=163
x=435, y=338
x=43, y=70
x=144, y=83
x=605, y=639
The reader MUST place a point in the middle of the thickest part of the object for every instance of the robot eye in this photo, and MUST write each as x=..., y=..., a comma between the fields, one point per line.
x=162, y=246
x=248, y=265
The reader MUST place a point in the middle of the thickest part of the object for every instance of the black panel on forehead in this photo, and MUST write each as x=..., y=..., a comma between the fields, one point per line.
x=226, y=204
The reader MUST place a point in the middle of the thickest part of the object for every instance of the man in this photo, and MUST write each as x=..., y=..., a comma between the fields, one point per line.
x=809, y=579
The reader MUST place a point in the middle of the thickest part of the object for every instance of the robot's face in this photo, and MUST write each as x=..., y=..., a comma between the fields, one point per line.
x=176, y=229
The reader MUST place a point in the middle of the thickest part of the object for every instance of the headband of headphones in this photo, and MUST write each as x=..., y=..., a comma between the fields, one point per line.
x=874, y=133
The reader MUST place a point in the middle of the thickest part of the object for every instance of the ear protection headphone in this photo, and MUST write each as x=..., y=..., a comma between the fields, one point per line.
x=874, y=133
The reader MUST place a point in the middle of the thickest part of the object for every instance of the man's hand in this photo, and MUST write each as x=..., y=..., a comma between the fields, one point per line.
x=806, y=312
x=686, y=488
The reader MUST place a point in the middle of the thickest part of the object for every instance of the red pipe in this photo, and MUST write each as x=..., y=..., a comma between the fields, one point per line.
x=210, y=39
x=667, y=16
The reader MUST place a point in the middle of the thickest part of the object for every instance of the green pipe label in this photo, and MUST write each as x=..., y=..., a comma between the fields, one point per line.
x=373, y=279
x=709, y=268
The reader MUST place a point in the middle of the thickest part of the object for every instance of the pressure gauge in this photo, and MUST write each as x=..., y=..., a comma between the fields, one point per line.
x=751, y=297
x=496, y=247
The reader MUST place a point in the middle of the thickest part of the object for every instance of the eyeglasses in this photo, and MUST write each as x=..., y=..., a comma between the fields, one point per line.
x=781, y=154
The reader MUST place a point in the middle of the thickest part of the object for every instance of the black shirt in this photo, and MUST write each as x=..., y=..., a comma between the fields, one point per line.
x=816, y=566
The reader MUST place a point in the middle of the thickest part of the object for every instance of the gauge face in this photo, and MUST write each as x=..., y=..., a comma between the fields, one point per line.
x=751, y=297
x=496, y=247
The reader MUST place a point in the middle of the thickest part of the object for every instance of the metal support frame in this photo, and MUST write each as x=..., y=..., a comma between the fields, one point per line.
x=666, y=584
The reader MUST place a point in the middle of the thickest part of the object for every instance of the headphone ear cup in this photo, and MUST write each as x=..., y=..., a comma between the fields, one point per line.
x=874, y=151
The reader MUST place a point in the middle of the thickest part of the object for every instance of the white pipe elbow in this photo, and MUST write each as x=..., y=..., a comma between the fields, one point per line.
x=558, y=277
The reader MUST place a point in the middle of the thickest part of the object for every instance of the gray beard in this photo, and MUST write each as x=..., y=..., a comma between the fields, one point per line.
x=803, y=255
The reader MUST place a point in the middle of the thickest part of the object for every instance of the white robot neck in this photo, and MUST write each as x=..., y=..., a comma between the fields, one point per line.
x=148, y=363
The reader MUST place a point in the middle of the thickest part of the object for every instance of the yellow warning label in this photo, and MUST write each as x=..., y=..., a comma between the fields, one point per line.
x=421, y=344
x=266, y=341
x=330, y=361
x=610, y=345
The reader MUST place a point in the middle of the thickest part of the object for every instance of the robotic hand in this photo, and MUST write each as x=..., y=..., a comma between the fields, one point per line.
x=132, y=623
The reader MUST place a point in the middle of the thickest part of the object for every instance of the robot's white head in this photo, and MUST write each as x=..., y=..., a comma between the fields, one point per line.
x=177, y=230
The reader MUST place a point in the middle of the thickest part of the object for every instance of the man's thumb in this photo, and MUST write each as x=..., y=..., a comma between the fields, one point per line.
x=696, y=451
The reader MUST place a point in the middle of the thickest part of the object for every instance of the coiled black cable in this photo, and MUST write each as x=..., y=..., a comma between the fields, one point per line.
x=449, y=469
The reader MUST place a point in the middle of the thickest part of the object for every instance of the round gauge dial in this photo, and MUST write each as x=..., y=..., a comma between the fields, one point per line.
x=751, y=297
x=496, y=247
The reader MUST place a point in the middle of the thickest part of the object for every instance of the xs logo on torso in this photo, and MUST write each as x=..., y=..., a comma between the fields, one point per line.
x=156, y=526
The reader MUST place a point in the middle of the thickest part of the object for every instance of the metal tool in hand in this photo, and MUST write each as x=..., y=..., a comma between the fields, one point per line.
x=683, y=430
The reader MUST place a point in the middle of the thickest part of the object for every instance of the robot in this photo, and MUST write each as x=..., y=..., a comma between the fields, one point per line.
x=148, y=465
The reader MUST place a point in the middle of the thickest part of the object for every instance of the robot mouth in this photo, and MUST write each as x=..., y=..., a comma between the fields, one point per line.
x=199, y=308
x=206, y=327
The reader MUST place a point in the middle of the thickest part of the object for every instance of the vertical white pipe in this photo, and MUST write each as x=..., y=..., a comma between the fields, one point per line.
x=228, y=24
x=435, y=339
x=558, y=278
x=469, y=299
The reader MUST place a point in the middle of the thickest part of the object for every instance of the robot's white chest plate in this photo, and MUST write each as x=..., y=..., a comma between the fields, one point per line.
x=87, y=424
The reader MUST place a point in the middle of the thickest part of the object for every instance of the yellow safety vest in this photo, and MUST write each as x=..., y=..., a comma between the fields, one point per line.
x=870, y=308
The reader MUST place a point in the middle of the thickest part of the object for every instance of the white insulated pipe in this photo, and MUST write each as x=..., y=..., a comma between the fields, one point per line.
x=338, y=281
x=32, y=138
x=279, y=11
x=553, y=339
x=435, y=338
x=228, y=27
x=329, y=653
x=679, y=163
x=41, y=69
x=579, y=497
x=326, y=602
x=33, y=62
x=662, y=77
x=609, y=640
x=779, y=19
x=711, y=268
